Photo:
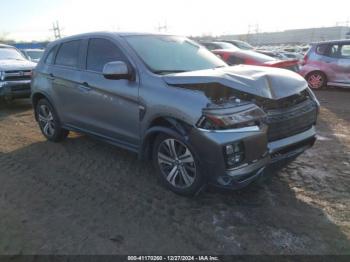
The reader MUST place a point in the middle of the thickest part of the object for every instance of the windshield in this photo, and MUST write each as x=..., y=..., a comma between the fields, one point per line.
x=35, y=54
x=11, y=54
x=170, y=54
x=224, y=45
x=244, y=45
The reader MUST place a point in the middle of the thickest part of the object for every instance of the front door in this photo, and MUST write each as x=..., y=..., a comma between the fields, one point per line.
x=108, y=108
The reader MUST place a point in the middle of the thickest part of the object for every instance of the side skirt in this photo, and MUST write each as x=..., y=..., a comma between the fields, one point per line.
x=109, y=140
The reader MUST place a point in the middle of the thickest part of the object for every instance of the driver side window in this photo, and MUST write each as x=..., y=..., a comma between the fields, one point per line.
x=100, y=52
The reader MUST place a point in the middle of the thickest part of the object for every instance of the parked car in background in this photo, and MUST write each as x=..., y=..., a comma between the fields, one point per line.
x=273, y=54
x=15, y=73
x=218, y=45
x=327, y=63
x=172, y=101
x=248, y=57
x=33, y=55
x=291, y=49
x=240, y=44
x=291, y=55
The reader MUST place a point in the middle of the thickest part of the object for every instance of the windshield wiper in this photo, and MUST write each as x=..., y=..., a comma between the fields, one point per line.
x=168, y=71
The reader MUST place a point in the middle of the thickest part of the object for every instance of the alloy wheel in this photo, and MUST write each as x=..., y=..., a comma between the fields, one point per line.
x=177, y=163
x=46, y=120
x=316, y=80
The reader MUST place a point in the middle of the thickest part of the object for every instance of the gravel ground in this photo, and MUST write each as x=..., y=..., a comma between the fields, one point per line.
x=86, y=197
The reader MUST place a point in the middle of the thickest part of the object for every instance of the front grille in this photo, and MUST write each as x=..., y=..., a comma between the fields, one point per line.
x=18, y=75
x=287, y=122
x=19, y=88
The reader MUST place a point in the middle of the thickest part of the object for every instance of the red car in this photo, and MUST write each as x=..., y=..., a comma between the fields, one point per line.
x=248, y=57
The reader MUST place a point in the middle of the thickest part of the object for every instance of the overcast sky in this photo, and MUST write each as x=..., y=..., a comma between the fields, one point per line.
x=32, y=19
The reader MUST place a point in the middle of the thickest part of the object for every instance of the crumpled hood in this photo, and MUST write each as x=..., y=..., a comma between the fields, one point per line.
x=272, y=83
x=9, y=65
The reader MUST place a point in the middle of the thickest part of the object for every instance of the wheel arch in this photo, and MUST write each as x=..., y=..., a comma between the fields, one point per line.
x=36, y=97
x=166, y=125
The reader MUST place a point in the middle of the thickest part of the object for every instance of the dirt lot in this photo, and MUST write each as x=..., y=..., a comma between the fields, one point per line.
x=86, y=197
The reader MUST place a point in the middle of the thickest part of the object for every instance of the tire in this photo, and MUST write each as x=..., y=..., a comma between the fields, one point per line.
x=316, y=80
x=49, y=122
x=177, y=165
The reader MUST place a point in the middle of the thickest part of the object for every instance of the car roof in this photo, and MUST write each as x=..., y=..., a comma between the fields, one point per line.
x=103, y=33
x=110, y=33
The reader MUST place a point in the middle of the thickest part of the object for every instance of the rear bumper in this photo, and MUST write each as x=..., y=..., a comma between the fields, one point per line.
x=260, y=155
x=15, y=89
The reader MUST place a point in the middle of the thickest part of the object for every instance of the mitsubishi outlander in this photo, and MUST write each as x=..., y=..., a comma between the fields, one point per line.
x=175, y=103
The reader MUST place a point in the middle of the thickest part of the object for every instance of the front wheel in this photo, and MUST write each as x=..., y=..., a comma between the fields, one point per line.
x=177, y=165
x=49, y=123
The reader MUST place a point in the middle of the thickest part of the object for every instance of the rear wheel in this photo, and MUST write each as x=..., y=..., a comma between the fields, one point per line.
x=177, y=165
x=49, y=122
x=316, y=80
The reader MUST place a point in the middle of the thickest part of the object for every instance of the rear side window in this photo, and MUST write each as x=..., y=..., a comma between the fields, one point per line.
x=334, y=51
x=322, y=49
x=50, y=58
x=68, y=54
x=345, y=51
x=101, y=52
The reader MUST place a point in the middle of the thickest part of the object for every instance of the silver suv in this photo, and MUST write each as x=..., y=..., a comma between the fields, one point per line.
x=15, y=73
x=174, y=102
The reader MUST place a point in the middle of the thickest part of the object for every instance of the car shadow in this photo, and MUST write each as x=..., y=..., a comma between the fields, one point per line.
x=85, y=197
x=14, y=107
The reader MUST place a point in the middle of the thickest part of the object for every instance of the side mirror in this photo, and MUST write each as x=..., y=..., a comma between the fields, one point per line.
x=116, y=70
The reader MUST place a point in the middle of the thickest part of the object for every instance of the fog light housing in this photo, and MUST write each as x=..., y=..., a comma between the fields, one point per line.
x=234, y=154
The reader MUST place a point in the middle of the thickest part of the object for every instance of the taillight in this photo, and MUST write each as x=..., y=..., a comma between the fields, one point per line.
x=304, y=62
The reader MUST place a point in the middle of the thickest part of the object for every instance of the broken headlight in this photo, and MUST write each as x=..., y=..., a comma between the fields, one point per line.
x=233, y=117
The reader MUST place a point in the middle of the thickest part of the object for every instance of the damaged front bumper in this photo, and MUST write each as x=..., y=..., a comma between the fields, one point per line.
x=259, y=154
x=15, y=89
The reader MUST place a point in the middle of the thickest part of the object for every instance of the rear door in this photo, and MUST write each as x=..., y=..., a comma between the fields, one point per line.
x=109, y=108
x=65, y=75
x=344, y=64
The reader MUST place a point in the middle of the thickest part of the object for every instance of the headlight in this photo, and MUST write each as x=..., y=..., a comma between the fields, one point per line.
x=313, y=97
x=2, y=75
x=232, y=117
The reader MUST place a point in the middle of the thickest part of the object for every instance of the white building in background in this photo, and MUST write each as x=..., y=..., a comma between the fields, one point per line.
x=294, y=36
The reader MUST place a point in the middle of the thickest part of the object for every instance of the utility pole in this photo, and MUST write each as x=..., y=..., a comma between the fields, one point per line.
x=163, y=27
x=253, y=29
x=56, y=30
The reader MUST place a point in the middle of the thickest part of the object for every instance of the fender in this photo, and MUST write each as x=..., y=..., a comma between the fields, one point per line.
x=44, y=94
x=175, y=129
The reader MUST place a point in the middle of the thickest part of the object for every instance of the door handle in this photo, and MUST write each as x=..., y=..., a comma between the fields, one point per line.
x=51, y=76
x=85, y=86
